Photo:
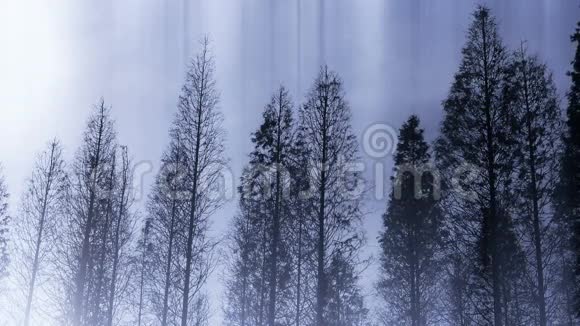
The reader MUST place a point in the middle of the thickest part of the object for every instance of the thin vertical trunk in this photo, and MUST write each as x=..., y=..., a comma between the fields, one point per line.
x=339, y=287
x=167, y=282
x=412, y=292
x=170, y=244
x=103, y=249
x=116, y=244
x=541, y=297
x=192, y=215
x=568, y=291
x=244, y=298
x=39, y=238
x=85, y=257
x=505, y=302
x=321, y=286
x=299, y=271
x=142, y=276
x=497, y=310
x=276, y=220
x=263, y=278
x=298, y=90
x=245, y=276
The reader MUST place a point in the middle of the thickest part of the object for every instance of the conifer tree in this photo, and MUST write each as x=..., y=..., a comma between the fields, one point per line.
x=198, y=124
x=246, y=279
x=273, y=145
x=89, y=200
x=37, y=226
x=121, y=231
x=538, y=139
x=303, y=233
x=412, y=238
x=331, y=145
x=167, y=217
x=476, y=136
x=265, y=200
x=185, y=195
x=569, y=185
x=345, y=301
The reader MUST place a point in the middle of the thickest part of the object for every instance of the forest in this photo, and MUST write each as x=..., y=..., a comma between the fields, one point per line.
x=481, y=226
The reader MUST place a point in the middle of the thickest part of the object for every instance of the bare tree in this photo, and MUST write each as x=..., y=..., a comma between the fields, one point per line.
x=88, y=201
x=122, y=228
x=37, y=225
x=143, y=267
x=198, y=124
x=240, y=292
x=325, y=119
x=185, y=194
x=166, y=213
x=4, y=218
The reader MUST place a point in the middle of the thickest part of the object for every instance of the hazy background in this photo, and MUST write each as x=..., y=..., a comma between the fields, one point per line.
x=57, y=58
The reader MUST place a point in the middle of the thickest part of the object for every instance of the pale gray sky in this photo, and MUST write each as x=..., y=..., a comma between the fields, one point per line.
x=57, y=58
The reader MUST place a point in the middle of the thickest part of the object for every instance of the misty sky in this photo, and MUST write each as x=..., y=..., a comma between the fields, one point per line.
x=57, y=58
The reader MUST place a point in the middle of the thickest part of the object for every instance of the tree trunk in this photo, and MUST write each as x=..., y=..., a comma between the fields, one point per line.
x=541, y=300
x=104, y=238
x=84, y=258
x=116, y=248
x=192, y=216
x=39, y=239
x=299, y=271
x=276, y=222
x=492, y=187
x=170, y=244
x=142, y=276
x=320, y=278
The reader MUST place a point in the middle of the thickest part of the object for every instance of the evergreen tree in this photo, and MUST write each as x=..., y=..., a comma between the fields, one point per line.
x=303, y=235
x=273, y=144
x=569, y=185
x=476, y=135
x=345, y=301
x=412, y=238
x=265, y=199
x=456, y=294
x=538, y=115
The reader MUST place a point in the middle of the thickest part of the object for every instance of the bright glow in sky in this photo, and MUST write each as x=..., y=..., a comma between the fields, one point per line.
x=36, y=69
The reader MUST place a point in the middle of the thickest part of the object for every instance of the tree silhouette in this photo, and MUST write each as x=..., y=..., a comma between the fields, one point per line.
x=412, y=238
